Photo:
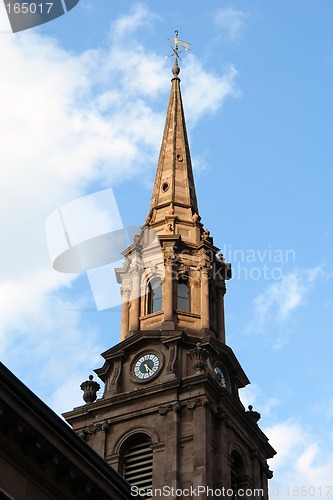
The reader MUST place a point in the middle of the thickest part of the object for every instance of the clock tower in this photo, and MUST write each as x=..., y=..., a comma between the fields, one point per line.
x=170, y=416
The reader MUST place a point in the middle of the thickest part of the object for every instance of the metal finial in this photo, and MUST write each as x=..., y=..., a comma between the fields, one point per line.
x=175, y=51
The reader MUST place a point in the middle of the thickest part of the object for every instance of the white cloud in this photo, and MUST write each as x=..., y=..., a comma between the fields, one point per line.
x=275, y=306
x=47, y=344
x=288, y=439
x=252, y=395
x=303, y=460
x=280, y=299
x=69, y=120
x=23, y=301
x=205, y=92
x=199, y=165
x=231, y=22
x=304, y=454
x=140, y=16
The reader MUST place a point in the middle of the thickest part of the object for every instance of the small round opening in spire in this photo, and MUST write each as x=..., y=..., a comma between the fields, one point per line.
x=165, y=187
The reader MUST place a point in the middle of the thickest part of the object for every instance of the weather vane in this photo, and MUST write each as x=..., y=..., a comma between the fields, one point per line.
x=178, y=43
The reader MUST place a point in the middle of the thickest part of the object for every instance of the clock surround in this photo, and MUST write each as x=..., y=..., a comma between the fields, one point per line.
x=146, y=366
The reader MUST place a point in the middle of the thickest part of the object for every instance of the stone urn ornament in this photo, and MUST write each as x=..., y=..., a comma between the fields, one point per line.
x=90, y=389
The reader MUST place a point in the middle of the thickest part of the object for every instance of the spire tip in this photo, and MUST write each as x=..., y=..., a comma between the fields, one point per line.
x=175, y=52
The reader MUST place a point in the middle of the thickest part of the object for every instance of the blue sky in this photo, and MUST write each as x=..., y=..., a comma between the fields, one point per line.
x=83, y=101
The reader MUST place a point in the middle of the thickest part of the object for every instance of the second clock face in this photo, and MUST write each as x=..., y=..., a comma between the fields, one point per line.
x=220, y=376
x=146, y=366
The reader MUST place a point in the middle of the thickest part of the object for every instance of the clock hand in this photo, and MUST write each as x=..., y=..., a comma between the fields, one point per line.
x=147, y=368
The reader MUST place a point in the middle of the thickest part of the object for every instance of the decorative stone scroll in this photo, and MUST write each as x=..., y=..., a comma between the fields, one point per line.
x=125, y=293
x=205, y=235
x=255, y=454
x=136, y=270
x=204, y=401
x=190, y=404
x=114, y=379
x=223, y=417
x=164, y=410
x=169, y=228
x=169, y=255
x=171, y=366
x=92, y=429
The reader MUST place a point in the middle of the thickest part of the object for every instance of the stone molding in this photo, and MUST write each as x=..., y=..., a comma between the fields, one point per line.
x=93, y=428
x=189, y=404
x=171, y=366
x=114, y=382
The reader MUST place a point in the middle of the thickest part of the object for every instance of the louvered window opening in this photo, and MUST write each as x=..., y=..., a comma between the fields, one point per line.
x=234, y=483
x=138, y=466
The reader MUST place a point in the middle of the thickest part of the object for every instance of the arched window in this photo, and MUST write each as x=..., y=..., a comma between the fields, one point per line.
x=154, y=295
x=138, y=464
x=183, y=295
x=237, y=473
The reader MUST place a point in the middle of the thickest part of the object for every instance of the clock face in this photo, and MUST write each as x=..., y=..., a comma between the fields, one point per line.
x=146, y=366
x=220, y=377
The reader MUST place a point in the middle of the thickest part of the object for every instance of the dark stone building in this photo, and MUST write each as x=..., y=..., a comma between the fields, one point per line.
x=170, y=415
x=41, y=458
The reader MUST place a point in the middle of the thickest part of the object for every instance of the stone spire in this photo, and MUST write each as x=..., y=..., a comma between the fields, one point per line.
x=174, y=183
x=171, y=277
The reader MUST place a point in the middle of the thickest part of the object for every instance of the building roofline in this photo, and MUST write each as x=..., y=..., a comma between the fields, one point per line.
x=16, y=397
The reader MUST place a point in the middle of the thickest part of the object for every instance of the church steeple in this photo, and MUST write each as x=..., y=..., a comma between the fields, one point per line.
x=166, y=277
x=174, y=183
x=170, y=414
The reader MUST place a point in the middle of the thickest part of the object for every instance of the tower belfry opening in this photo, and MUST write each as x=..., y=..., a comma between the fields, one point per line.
x=171, y=385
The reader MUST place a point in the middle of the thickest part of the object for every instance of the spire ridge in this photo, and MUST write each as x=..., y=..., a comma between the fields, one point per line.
x=174, y=183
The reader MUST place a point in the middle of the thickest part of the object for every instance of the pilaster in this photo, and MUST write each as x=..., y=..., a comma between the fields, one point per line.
x=168, y=294
x=205, y=297
x=134, y=311
x=125, y=296
x=220, y=312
